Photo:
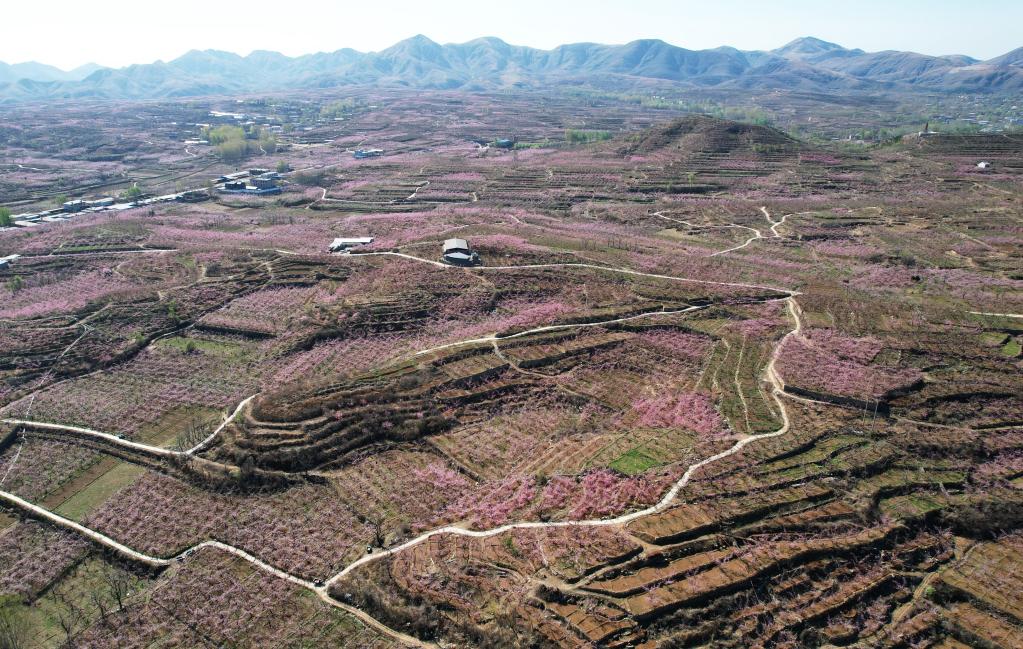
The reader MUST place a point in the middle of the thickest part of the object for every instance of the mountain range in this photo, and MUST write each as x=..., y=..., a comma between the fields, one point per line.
x=42, y=72
x=490, y=63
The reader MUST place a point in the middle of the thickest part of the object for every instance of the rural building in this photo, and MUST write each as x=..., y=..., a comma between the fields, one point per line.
x=235, y=176
x=458, y=253
x=75, y=206
x=342, y=244
x=258, y=188
x=6, y=261
x=264, y=183
x=983, y=165
x=194, y=196
x=504, y=143
x=367, y=153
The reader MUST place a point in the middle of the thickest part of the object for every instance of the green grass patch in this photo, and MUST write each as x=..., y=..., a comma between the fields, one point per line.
x=634, y=462
x=911, y=506
x=993, y=338
x=176, y=421
x=92, y=577
x=217, y=347
x=1011, y=349
x=85, y=501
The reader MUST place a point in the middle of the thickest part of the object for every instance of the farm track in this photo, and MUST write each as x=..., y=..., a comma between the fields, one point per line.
x=997, y=315
x=322, y=591
x=161, y=562
x=128, y=444
x=757, y=234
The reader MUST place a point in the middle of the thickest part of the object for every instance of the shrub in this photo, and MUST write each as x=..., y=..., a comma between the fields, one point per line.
x=579, y=136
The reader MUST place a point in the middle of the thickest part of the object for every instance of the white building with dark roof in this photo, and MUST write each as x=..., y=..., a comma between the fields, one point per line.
x=342, y=244
x=458, y=253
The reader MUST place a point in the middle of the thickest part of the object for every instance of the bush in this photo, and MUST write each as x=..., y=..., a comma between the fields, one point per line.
x=222, y=134
x=234, y=143
x=313, y=178
x=986, y=515
x=578, y=136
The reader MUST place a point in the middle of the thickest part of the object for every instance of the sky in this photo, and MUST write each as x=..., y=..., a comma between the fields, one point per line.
x=68, y=33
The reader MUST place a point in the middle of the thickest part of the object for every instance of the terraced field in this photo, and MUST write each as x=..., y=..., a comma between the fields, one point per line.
x=710, y=386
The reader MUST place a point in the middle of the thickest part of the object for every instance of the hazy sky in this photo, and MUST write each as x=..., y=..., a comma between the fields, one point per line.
x=68, y=33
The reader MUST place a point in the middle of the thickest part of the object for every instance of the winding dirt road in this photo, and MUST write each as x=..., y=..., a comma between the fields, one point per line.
x=322, y=591
x=128, y=444
x=757, y=234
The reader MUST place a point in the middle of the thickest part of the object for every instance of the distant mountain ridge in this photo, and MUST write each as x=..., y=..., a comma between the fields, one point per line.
x=489, y=63
x=42, y=72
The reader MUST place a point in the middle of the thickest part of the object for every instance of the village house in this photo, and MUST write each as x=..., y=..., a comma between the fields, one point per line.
x=342, y=244
x=361, y=154
x=458, y=253
x=75, y=205
x=6, y=261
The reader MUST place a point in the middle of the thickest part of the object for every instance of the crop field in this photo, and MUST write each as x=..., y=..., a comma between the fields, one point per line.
x=709, y=385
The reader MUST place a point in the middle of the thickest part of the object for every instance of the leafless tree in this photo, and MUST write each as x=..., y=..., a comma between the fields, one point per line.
x=70, y=617
x=119, y=585
x=197, y=431
x=13, y=629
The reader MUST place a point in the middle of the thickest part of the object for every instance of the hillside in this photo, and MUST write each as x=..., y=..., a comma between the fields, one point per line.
x=699, y=383
x=702, y=134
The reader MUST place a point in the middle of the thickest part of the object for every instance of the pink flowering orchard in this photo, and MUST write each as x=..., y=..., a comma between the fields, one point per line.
x=482, y=345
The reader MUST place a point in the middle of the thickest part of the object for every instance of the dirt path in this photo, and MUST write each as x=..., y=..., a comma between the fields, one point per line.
x=757, y=234
x=160, y=562
x=661, y=505
x=323, y=590
x=412, y=196
x=774, y=224
x=998, y=315
x=128, y=444
x=494, y=338
x=741, y=245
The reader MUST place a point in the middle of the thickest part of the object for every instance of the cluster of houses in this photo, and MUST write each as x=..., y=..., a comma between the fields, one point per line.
x=81, y=205
x=254, y=181
x=66, y=211
x=499, y=143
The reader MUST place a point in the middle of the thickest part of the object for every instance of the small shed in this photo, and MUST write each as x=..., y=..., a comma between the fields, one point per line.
x=458, y=253
x=361, y=154
x=342, y=244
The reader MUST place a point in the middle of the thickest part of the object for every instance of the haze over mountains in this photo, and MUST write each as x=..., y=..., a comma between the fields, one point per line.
x=489, y=63
x=42, y=72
